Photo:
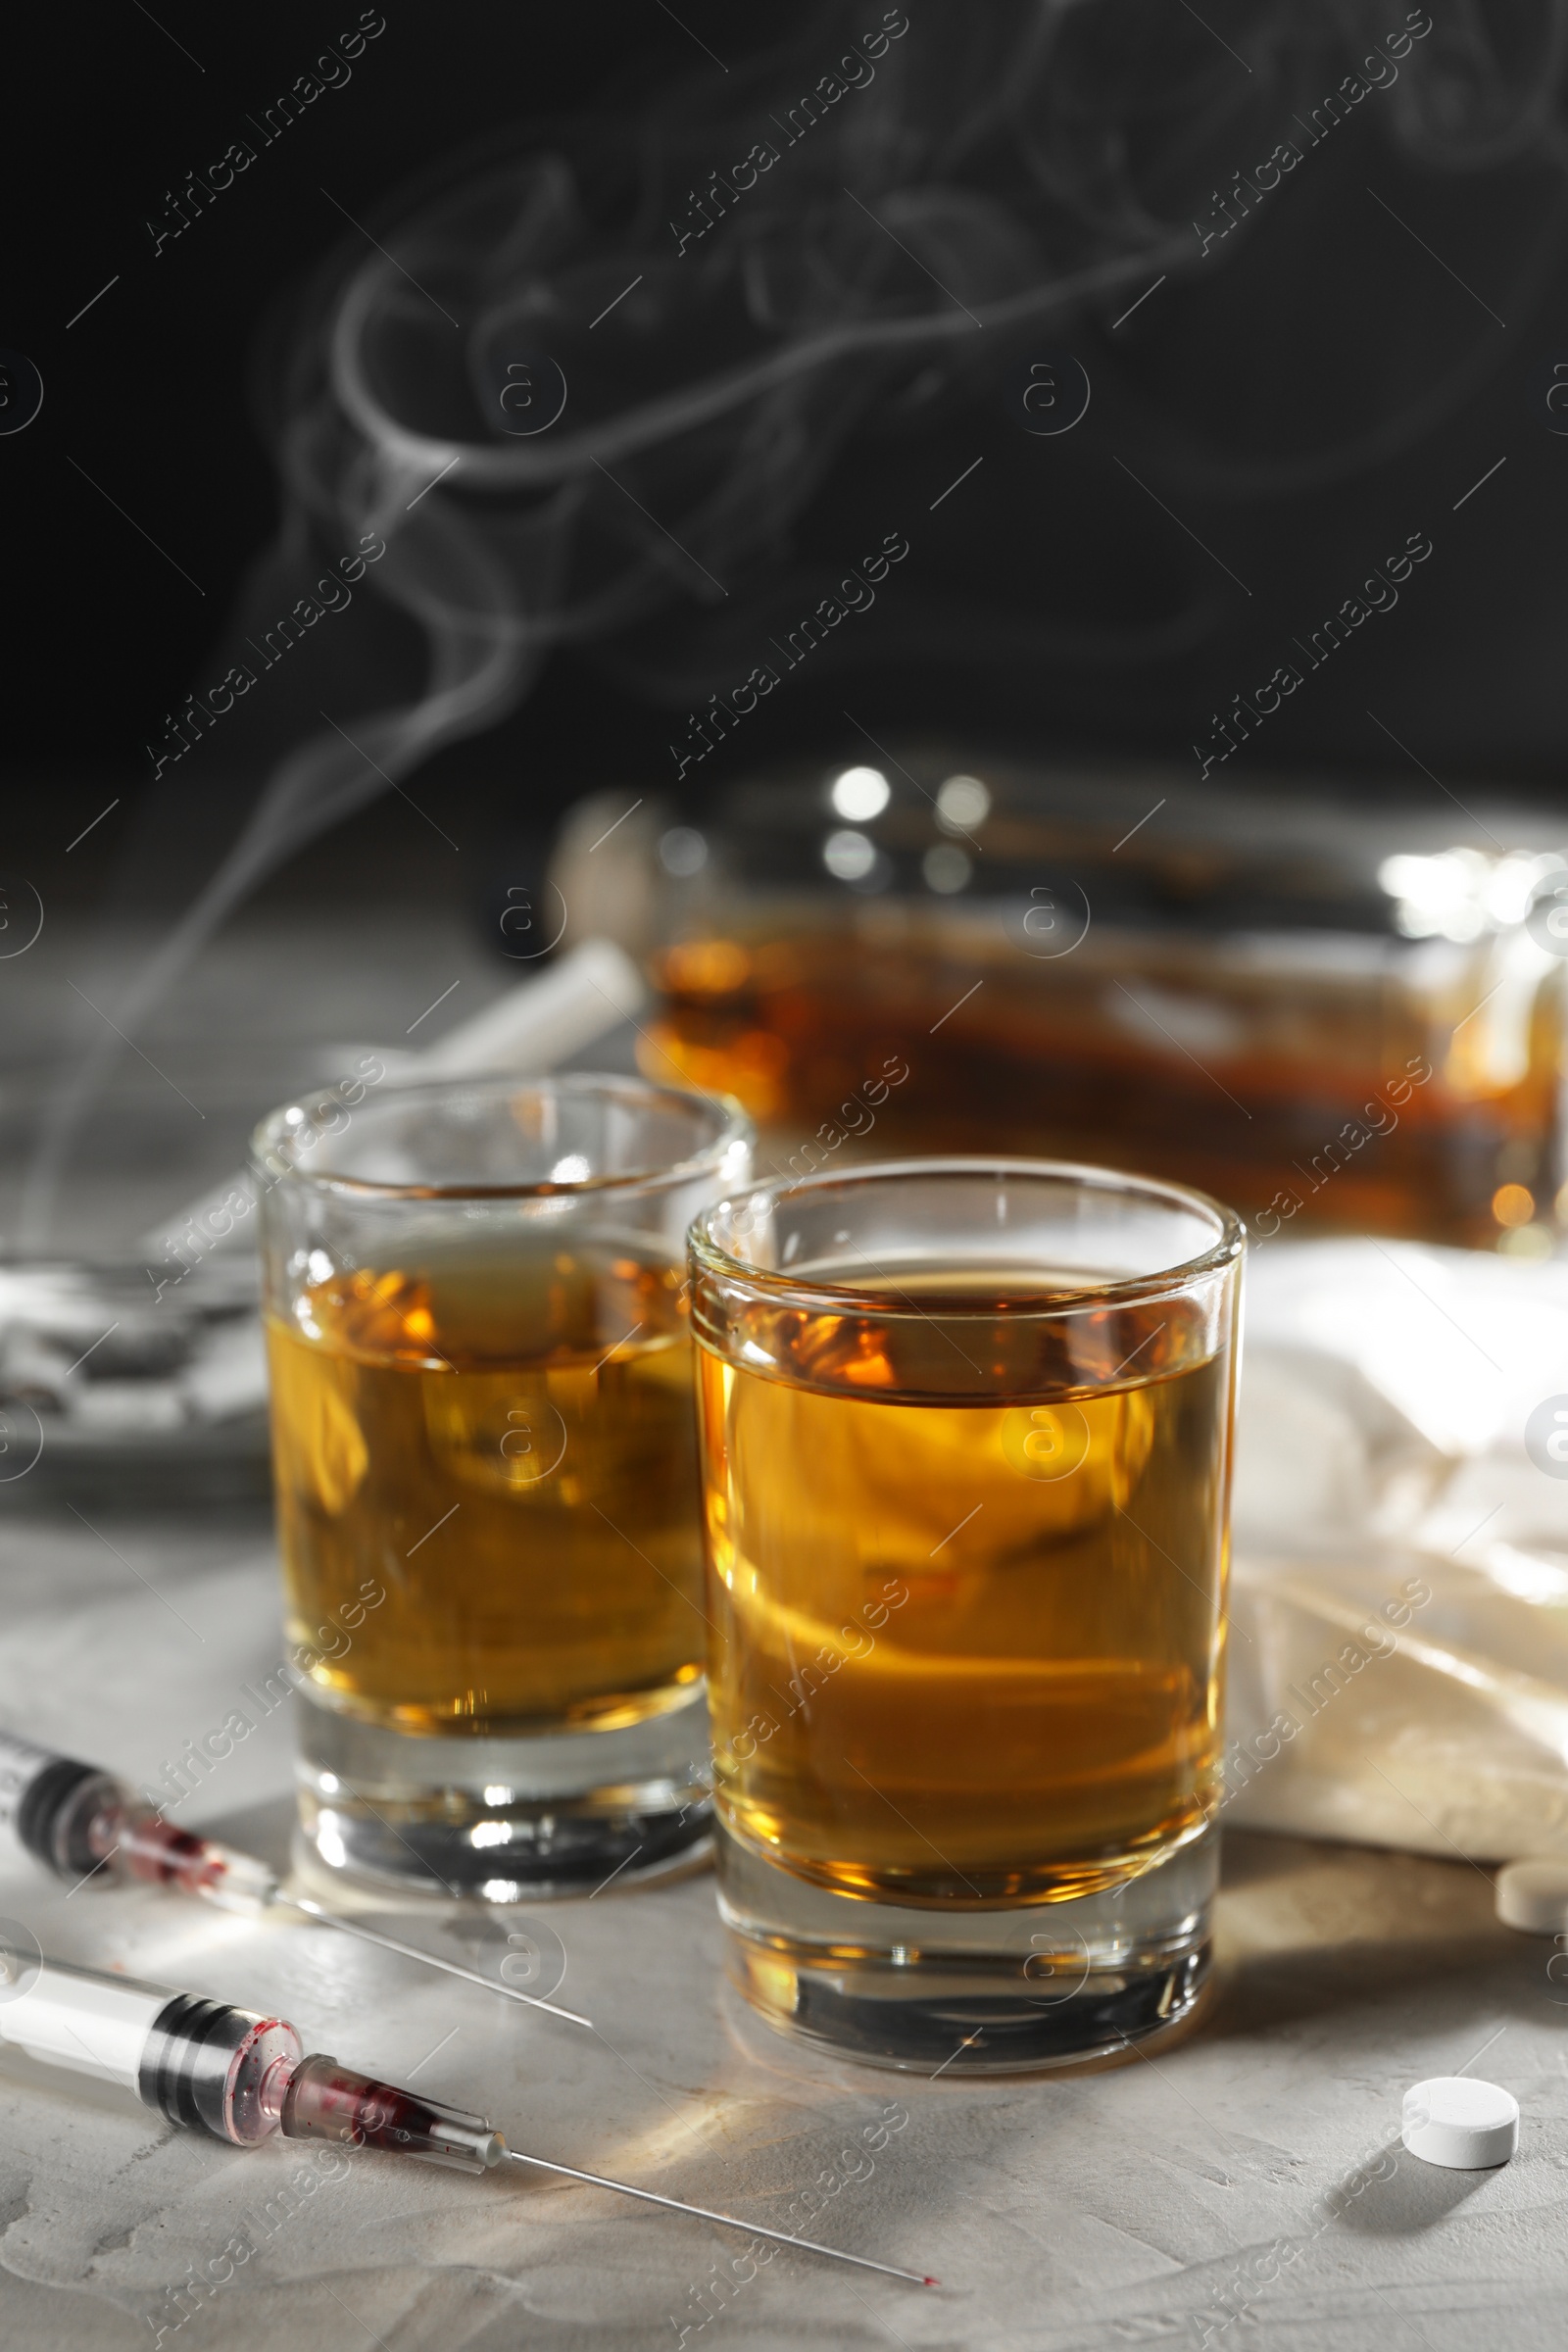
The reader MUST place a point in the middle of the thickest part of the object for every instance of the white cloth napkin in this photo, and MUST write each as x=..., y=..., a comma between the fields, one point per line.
x=1399, y=1652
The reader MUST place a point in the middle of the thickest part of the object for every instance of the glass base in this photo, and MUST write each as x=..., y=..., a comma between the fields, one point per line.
x=504, y=1820
x=970, y=1992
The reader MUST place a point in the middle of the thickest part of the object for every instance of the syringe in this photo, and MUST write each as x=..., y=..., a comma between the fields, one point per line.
x=241, y=2075
x=86, y=1826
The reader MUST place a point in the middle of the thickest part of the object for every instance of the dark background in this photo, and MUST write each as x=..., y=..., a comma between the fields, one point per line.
x=1259, y=399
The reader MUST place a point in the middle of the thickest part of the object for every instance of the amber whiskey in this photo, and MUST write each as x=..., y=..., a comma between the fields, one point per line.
x=508, y=1446
x=965, y=1652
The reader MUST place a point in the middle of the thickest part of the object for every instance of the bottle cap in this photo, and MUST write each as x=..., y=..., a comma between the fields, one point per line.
x=1534, y=1895
x=1460, y=2123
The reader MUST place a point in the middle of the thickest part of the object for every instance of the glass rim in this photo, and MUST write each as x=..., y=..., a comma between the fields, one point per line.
x=711, y=1258
x=273, y=1144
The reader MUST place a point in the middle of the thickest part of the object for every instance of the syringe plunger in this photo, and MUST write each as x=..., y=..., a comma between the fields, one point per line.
x=217, y=2069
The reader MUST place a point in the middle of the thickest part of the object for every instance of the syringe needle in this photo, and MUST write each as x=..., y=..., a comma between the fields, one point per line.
x=412, y=1951
x=727, y=2221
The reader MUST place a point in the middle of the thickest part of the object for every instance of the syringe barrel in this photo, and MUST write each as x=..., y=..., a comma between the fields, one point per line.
x=92, y=2021
x=200, y=2063
x=48, y=1805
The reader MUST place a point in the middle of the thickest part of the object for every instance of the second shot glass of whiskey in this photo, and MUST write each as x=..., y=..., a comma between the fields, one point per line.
x=967, y=1429
x=485, y=1455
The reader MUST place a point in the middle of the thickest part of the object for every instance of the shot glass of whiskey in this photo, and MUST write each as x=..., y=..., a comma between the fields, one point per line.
x=485, y=1457
x=966, y=1434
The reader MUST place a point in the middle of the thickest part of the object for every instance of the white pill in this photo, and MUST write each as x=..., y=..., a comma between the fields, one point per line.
x=1534, y=1895
x=1462, y=2124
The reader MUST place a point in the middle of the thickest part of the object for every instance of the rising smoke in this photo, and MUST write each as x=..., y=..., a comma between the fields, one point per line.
x=746, y=277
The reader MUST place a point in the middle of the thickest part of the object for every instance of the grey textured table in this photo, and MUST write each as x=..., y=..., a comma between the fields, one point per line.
x=1238, y=2189
x=1245, y=2172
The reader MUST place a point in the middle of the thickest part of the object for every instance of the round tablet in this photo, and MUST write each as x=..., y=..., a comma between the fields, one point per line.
x=1534, y=1895
x=1460, y=2123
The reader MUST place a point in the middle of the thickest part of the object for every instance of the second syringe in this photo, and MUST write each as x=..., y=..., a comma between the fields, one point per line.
x=87, y=1827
